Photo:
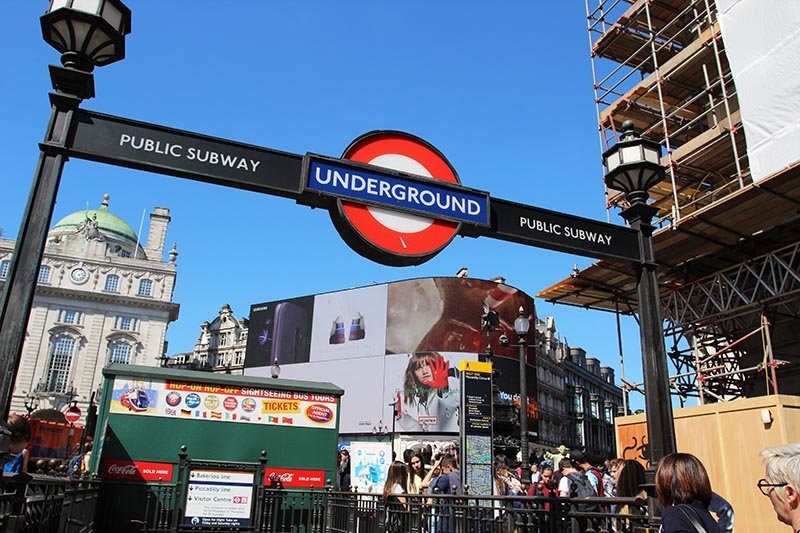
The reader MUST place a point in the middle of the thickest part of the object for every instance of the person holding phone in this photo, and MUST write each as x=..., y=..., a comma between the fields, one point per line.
x=430, y=394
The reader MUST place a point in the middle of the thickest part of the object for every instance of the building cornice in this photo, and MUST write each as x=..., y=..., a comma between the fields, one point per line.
x=110, y=298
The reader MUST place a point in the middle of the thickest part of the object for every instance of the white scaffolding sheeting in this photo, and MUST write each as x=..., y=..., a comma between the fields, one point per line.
x=762, y=41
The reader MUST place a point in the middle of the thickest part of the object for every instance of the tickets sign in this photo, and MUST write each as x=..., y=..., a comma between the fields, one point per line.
x=199, y=401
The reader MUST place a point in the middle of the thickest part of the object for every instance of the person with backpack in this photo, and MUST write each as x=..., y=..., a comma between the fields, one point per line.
x=592, y=472
x=575, y=484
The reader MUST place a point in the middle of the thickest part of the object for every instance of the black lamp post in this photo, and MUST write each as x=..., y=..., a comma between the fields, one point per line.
x=521, y=326
x=88, y=33
x=633, y=166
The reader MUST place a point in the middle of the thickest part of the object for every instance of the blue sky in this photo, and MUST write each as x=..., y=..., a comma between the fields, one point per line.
x=504, y=91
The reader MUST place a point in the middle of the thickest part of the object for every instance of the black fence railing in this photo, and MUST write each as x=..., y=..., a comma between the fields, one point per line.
x=38, y=504
x=326, y=511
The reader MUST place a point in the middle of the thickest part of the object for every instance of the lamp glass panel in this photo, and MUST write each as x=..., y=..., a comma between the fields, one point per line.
x=105, y=55
x=81, y=31
x=88, y=6
x=98, y=41
x=59, y=33
x=651, y=154
x=57, y=4
x=612, y=161
x=112, y=15
x=521, y=325
x=631, y=154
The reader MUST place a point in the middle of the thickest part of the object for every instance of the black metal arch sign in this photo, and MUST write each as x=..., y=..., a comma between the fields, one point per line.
x=393, y=197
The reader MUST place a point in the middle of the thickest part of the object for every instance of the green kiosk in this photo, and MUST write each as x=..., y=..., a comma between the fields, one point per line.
x=198, y=438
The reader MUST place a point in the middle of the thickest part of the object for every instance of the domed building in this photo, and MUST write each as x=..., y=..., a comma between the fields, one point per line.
x=102, y=297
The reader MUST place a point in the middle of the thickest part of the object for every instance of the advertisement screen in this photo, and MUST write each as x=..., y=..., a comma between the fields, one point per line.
x=392, y=343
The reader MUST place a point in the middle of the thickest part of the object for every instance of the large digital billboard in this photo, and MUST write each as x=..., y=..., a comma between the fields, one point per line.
x=397, y=343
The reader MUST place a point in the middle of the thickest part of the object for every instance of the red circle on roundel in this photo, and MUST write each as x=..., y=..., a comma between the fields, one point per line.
x=412, y=235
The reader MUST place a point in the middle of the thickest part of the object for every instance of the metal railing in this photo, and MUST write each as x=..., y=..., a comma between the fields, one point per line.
x=38, y=504
x=327, y=511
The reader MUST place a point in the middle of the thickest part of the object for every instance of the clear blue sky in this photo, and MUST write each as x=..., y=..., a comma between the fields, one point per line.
x=503, y=90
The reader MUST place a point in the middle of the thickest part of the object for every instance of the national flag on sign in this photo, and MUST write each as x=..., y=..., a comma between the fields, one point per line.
x=273, y=419
x=171, y=412
x=288, y=420
x=245, y=418
x=216, y=415
x=186, y=412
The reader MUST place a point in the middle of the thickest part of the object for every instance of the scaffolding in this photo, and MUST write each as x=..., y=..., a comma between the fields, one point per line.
x=729, y=248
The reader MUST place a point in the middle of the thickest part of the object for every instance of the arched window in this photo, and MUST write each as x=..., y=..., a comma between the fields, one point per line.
x=112, y=283
x=44, y=274
x=120, y=352
x=4, y=266
x=145, y=287
x=60, y=363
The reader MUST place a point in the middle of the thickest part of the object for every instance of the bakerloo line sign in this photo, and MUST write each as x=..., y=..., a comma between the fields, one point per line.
x=393, y=197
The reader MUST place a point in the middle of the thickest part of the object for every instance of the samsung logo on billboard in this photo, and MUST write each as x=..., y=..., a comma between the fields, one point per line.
x=398, y=192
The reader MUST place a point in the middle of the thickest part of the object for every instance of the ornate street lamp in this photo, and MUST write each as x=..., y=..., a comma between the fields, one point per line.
x=633, y=167
x=88, y=34
x=521, y=326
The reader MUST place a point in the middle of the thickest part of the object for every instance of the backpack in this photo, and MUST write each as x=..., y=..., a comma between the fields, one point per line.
x=442, y=482
x=599, y=477
x=581, y=487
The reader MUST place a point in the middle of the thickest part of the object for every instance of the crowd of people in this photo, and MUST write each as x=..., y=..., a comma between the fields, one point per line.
x=682, y=486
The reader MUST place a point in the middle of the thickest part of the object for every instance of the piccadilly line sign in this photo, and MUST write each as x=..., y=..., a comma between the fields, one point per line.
x=393, y=197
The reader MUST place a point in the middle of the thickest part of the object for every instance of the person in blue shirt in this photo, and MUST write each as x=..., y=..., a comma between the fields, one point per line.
x=20, y=430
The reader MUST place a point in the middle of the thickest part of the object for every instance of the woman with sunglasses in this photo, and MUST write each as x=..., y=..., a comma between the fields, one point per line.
x=683, y=488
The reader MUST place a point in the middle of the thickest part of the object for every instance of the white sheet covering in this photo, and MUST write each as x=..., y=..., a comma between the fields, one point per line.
x=762, y=40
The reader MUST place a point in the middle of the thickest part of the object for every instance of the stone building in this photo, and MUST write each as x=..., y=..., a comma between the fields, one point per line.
x=220, y=346
x=592, y=401
x=101, y=297
x=550, y=380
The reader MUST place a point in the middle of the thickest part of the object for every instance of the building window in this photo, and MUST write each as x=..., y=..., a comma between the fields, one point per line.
x=69, y=316
x=579, y=433
x=594, y=408
x=112, y=283
x=124, y=253
x=608, y=413
x=577, y=402
x=145, y=287
x=223, y=339
x=44, y=274
x=238, y=358
x=4, y=266
x=220, y=360
x=120, y=353
x=60, y=363
x=126, y=323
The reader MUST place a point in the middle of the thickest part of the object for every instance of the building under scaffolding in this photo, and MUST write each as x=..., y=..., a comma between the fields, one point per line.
x=729, y=239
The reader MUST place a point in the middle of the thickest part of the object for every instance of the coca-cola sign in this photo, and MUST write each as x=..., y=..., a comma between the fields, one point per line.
x=290, y=477
x=136, y=471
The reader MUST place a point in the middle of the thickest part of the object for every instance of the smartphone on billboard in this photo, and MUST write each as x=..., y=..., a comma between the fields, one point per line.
x=291, y=341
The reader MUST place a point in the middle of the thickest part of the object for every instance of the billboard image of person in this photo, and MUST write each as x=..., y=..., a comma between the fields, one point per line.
x=427, y=385
x=444, y=314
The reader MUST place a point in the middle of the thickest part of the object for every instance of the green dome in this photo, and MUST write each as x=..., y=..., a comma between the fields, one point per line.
x=106, y=222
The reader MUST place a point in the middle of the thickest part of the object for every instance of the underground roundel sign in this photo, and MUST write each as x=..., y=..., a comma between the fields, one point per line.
x=388, y=236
